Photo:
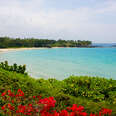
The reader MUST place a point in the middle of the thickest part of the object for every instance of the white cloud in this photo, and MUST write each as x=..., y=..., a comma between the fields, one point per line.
x=108, y=7
x=29, y=18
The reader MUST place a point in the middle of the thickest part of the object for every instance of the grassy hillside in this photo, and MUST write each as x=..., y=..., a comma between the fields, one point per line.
x=91, y=92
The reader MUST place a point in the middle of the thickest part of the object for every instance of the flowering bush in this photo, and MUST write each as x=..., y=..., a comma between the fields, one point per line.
x=15, y=104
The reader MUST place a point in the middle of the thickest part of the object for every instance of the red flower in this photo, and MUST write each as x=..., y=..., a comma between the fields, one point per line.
x=72, y=114
x=75, y=108
x=19, y=90
x=3, y=94
x=11, y=107
x=105, y=111
x=82, y=114
x=11, y=94
x=93, y=114
x=34, y=97
x=9, y=91
x=30, y=105
x=39, y=97
x=20, y=93
x=3, y=107
x=44, y=108
x=63, y=113
x=48, y=103
x=12, y=101
x=55, y=113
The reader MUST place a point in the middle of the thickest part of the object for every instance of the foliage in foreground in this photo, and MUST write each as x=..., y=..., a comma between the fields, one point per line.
x=14, y=68
x=17, y=105
x=92, y=93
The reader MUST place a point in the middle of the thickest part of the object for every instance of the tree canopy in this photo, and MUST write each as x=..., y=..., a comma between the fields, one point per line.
x=6, y=42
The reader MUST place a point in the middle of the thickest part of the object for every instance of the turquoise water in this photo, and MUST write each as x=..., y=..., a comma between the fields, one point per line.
x=62, y=62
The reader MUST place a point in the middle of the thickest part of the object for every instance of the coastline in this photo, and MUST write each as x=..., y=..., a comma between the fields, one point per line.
x=18, y=49
x=35, y=48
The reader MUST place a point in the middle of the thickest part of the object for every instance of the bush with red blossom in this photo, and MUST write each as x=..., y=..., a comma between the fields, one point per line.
x=15, y=104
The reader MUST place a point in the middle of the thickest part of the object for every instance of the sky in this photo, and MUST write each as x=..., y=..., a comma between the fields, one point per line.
x=93, y=20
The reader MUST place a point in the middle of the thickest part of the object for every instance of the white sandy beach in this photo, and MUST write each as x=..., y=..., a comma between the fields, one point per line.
x=18, y=49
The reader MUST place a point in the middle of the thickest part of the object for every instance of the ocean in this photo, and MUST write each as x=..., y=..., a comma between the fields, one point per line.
x=61, y=63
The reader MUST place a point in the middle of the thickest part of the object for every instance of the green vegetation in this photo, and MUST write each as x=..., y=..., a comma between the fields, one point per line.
x=14, y=67
x=6, y=42
x=91, y=92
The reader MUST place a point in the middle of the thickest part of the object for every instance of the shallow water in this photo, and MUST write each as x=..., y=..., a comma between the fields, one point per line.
x=62, y=62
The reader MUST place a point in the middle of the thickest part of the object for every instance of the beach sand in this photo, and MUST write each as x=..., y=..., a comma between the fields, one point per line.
x=18, y=49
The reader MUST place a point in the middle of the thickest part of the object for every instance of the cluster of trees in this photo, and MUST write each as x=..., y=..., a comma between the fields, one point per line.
x=6, y=42
x=14, y=67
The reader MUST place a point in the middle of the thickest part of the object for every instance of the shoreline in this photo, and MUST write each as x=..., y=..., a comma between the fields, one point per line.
x=32, y=48
x=35, y=48
x=18, y=49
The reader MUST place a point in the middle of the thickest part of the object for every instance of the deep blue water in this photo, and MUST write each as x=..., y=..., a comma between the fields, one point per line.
x=104, y=44
x=62, y=62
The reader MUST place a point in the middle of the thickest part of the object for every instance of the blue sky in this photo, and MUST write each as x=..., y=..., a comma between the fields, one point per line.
x=93, y=20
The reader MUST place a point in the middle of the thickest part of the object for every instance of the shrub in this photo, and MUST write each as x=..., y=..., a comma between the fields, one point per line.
x=14, y=67
x=64, y=91
x=16, y=104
